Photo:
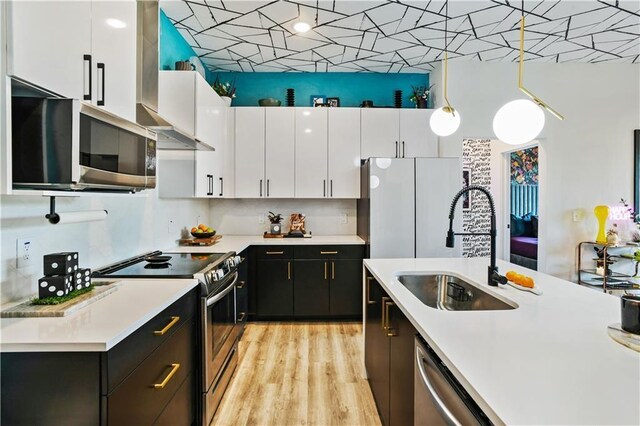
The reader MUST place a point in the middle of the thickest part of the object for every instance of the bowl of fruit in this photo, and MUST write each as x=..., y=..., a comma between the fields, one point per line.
x=203, y=231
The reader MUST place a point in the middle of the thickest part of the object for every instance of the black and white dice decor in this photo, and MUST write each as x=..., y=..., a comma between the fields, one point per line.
x=56, y=285
x=81, y=279
x=60, y=263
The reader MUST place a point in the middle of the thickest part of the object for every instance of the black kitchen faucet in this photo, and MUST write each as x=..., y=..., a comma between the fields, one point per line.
x=493, y=277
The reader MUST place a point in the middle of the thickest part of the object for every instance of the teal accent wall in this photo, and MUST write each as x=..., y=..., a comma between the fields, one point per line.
x=173, y=47
x=351, y=88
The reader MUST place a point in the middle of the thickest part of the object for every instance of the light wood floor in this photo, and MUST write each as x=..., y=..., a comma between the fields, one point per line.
x=299, y=374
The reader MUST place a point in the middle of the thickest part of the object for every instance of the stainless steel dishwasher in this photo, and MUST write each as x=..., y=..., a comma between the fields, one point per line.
x=439, y=398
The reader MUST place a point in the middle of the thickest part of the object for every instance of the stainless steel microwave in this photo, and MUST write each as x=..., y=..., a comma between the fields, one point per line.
x=65, y=144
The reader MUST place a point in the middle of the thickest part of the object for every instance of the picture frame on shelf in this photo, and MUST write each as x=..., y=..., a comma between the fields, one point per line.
x=333, y=102
x=318, y=100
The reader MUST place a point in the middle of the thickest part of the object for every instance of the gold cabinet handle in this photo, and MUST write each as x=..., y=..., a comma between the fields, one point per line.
x=333, y=270
x=328, y=252
x=325, y=270
x=174, y=368
x=288, y=270
x=241, y=284
x=390, y=331
x=173, y=322
x=384, y=316
x=275, y=252
x=242, y=316
x=369, y=301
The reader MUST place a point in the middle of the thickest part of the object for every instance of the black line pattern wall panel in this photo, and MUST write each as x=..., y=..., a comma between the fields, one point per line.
x=476, y=159
x=390, y=36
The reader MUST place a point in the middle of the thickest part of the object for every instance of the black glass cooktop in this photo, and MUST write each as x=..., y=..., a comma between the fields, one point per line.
x=180, y=265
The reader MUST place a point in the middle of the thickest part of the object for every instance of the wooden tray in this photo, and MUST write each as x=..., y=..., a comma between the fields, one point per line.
x=200, y=241
x=267, y=235
x=27, y=310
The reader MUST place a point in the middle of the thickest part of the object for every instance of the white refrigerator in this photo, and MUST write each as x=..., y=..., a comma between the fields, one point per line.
x=403, y=210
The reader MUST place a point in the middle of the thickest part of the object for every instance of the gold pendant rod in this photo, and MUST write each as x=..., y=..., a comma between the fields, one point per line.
x=524, y=90
x=447, y=108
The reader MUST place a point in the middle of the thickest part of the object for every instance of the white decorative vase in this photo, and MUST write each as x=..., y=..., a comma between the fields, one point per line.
x=227, y=100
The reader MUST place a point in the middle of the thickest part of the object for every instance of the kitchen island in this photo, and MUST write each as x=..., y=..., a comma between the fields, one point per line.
x=549, y=361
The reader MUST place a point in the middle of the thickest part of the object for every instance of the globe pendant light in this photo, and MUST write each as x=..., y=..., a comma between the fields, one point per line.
x=522, y=120
x=445, y=120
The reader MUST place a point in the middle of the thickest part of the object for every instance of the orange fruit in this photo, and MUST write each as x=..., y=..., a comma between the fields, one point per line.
x=203, y=227
x=527, y=282
x=194, y=229
x=511, y=275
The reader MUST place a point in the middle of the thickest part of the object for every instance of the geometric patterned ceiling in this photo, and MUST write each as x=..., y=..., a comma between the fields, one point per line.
x=402, y=36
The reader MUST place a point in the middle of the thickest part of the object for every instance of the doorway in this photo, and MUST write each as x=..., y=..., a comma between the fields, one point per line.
x=523, y=194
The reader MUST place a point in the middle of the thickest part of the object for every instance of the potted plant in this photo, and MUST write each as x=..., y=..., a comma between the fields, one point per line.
x=420, y=95
x=275, y=219
x=227, y=90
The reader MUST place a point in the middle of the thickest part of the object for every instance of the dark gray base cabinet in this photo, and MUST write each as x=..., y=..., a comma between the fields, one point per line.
x=109, y=388
x=389, y=346
x=307, y=282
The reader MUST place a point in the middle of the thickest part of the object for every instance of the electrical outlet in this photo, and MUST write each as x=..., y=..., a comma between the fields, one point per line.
x=343, y=218
x=170, y=227
x=198, y=220
x=578, y=215
x=261, y=218
x=24, y=252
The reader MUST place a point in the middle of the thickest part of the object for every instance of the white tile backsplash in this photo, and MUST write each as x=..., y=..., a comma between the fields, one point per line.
x=240, y=217
x=135, y=225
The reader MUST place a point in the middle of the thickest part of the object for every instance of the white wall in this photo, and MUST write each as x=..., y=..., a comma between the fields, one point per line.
x=135, y=225
x=240, y=217
x=586, y=160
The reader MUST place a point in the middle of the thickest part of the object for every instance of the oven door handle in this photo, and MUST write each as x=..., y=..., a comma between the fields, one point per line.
x=224, y=292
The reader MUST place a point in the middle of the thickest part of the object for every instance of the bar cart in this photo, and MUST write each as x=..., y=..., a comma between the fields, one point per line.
x=599, y=274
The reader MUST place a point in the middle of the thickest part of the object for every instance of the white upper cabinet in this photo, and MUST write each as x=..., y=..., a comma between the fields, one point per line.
x=344, y=152
x=279, y=152
x=113, y=47
x=49, y=45
x=311, y=153
x=177, y=99
x=416, y=137
x=249, y=152
x=189, y=103
x=380, y=134
x=78, y=49
x=397, y=133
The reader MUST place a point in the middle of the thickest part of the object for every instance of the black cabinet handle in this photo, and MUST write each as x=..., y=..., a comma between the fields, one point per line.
x=261, y=187
x=324, y=188
x=267, y=187
x=331, y=185
x=402, y=149
x=101, y=67
x=396, y=149
x=210, y=184
x=221, y=187
x=87, y=96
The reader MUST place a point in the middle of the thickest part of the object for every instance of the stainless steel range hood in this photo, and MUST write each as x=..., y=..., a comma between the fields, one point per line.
x=169, y=136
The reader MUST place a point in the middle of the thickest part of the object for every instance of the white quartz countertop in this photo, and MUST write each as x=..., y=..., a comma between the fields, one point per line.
x=99, y=326
x=238, y=243
x=548, y=362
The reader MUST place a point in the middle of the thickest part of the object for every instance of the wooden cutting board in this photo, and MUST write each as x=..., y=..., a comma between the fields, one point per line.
x=200, y=241
x=27, y=310
x=267, y=235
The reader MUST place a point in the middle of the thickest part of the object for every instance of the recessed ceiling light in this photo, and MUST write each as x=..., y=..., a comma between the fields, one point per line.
x=301, y=27
x=116, y=23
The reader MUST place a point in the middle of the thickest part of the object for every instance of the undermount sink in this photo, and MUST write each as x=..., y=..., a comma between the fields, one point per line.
x=449, y=293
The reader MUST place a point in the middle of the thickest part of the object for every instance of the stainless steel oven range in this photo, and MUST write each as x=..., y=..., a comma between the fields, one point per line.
x=219, y=327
